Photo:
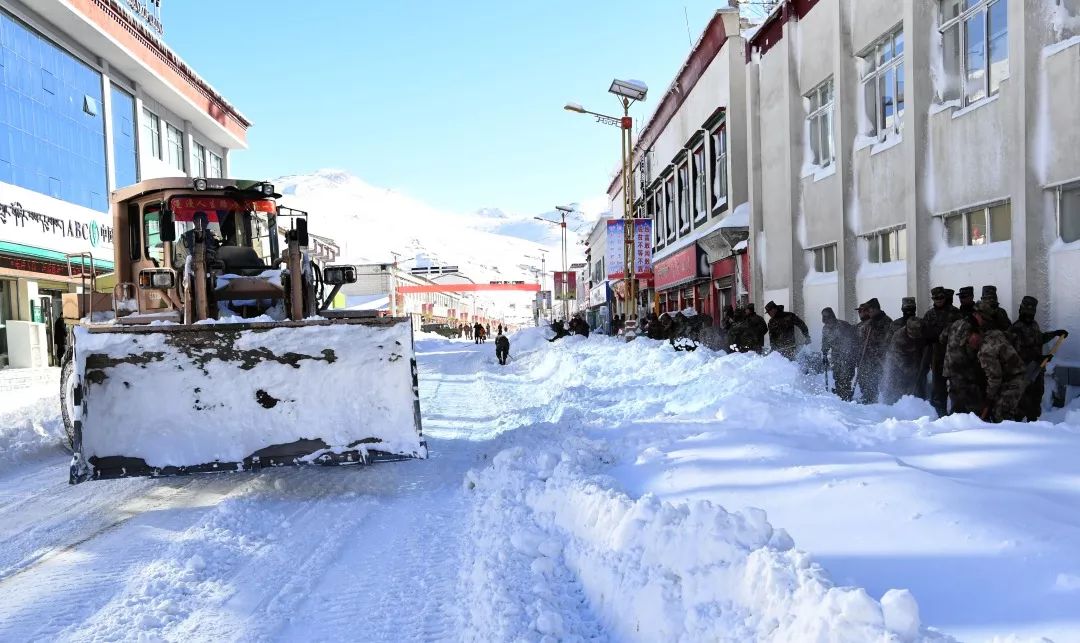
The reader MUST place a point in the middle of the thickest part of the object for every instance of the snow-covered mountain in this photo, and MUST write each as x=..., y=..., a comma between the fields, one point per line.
x=371, y=223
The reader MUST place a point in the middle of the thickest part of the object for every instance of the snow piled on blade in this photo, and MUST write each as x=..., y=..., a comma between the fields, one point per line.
x=174, y=399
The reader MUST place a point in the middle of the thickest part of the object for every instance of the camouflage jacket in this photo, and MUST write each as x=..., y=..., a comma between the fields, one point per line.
x=874, y=335
x=898, y=324
x=743, y=336
x=1000, y=361
x=839, y=341
x=782, y=330
x=1001, y=320
x=936, y=322
x=1028, y=339
x=959, y=358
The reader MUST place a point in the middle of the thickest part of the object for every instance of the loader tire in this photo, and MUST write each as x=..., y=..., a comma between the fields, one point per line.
x=67, y=397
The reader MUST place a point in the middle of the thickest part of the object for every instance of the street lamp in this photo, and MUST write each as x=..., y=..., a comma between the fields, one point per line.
x=563, y=211
x=543, y=272
x=628, y=92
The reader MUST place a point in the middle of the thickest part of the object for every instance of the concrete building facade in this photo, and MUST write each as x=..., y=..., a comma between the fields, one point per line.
x=897, y=145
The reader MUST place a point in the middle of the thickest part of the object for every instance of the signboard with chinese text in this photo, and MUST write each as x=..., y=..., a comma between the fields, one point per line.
x=683, y=266
x=34, y=219
x=616, y=240
x=599, y=295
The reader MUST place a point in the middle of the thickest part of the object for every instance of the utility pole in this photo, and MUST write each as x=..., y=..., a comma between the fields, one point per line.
x=393, y=285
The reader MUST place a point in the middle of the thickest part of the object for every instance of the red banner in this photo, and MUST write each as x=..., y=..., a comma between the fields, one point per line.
x=565, y=285
x=468, y=288
x=683, y=266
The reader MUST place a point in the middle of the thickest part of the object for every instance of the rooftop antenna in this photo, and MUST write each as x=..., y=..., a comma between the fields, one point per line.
x=686, y=17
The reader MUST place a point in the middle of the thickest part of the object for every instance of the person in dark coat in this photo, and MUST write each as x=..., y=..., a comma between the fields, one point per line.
x=903, y=361
x=560, y=330
x=908, y=309
x=502, y=347
x=874, y=335
x=1001, y=364
x=967, y=382
x=936, y=321
x=839, y=350
x=782, y=325
x=999, y=319
x=759, y=327
x=60, y=332
x=478, y=333
x=1029, y=340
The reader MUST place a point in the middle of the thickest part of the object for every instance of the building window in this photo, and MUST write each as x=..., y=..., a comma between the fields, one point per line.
x=718, y=150
x=684, y=197
x=701, y=207
x=125, y=155
x=198, y=159
x=670, y=224
x=175, y=145
x=52, y=130
x=1069, y=214
x=824, y=258
x=216, y=168
x=152, y=133
x=886, y=247
x=979, y=226
x=975, y=34
x=883, y=85
x=820, y=121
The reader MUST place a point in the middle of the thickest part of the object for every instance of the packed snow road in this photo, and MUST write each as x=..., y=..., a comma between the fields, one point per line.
x=578, y=493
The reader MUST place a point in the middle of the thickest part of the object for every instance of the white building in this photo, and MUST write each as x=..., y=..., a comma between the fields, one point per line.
x=378, y=288
x=93, y=100
x=897, y=145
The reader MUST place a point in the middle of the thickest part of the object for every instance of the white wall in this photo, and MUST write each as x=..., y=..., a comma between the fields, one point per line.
x=821, y=290
x=976, y=266
x=1064, y=304
x=888, y=283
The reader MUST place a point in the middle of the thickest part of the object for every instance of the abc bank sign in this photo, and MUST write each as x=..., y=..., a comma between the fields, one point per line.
x=39, y=222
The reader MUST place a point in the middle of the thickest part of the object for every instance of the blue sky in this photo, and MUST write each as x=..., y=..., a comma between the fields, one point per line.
x=456, y=103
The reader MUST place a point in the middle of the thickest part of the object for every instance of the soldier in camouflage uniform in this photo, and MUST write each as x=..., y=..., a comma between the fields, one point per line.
x=907, y=311
x=1029, y=339
x=999, y=319
x=1006, y=375
x=759, y=327
x=839, y=349
x=782, y=325
x=742, y=337
x=961, y=366
x=904, y=361
x=935, y=322
x=873, y=347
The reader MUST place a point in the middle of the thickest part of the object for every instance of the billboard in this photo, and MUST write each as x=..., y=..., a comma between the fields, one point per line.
x=616, y=231
x=565, y=285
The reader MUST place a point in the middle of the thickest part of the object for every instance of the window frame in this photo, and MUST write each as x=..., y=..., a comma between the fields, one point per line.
x=890, y=245
x=718, y=199
x=671, y=221
x=1060, y=209
x=821, y=255
x=683, y=215
x=877, y=74
x=215, y=166
x=152, y=124
x=699, y=180
x=181, y=150
x=821, y=112
x=199, y=159
x=960, y=23
x=965, y=219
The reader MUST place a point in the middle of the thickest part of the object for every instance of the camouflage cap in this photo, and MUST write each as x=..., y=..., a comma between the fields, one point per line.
x=949, y=292
x=873, y=303
x=769, y=306
x=1029, y=302
x=828, y=313
x=937, y=292
x=967, y=291
x=989, y=292
x=908, y=302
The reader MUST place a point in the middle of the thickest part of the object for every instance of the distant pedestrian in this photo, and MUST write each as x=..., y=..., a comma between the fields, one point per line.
x=502, y=347
x=478, y=333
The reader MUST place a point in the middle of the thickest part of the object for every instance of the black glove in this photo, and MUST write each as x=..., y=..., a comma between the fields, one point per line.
x=1061, y=333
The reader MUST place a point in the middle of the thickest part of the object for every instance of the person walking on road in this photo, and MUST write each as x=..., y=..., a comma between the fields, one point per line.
x=502, y=347
x=839, y=350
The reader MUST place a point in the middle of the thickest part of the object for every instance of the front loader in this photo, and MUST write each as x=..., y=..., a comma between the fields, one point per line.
x=216, y=350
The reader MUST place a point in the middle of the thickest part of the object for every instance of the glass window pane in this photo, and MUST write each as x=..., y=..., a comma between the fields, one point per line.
x=819, y=260
x=950, y=9
x=830, y=259
x=888, y=245
x=870, y=102
x=951, y=85
x=901, y=244
x=975, y=57
x=154, y=246
x=899, y=94
x=885, y=51
x=970, y=3
x=826, y=138
x=954, y=230
x=124, y=148
x=977, y=227
x=815, y=139
x=1001, y=222
x=899, y=46
x=888, y=98
x=874, y=249
x=1070, y=215
x=999, y=44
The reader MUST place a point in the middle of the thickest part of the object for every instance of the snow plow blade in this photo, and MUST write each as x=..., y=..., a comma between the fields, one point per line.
x=165, y=400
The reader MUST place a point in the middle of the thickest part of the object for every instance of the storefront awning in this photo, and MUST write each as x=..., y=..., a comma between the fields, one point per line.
x=18, y=256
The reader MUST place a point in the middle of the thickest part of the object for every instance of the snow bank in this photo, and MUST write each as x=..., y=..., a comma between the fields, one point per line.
x=653, y=570
x=173, y=401
x=30, y=422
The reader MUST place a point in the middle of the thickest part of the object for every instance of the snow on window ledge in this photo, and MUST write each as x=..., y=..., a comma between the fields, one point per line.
x=1062, y=246
x=968, y=254
x=1059, y=47
x=868, y=270
x=822, y=173
x=815, y=278
x=976, y=105
x=937, y=108
x=892, y=139
x=863, y=141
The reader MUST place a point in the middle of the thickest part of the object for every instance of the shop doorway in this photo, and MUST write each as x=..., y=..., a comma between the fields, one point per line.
x=50, y=308
x=5, y=315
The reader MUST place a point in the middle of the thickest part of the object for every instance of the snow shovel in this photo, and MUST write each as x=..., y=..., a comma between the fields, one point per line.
x=1036, y=370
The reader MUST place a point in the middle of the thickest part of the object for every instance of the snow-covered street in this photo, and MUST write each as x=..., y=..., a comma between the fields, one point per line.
x=591, y=490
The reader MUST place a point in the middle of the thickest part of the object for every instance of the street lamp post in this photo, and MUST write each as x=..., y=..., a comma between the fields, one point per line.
x=563, y=210
x=543, y=273
x=628, y=92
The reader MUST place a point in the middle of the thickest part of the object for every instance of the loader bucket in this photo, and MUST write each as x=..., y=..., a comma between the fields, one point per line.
x=175, y=399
